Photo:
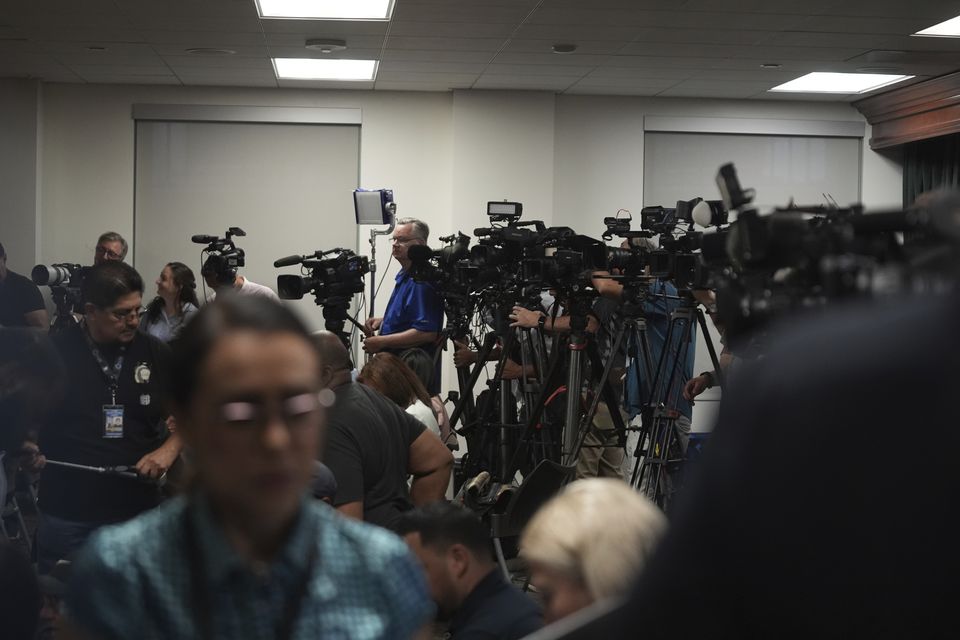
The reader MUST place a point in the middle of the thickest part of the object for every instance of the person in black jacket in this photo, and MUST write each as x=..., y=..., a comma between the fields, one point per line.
x=453, y=546
x=111, y=415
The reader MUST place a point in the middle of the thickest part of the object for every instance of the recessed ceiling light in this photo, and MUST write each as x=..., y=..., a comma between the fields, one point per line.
x=315, y=69
x=770, y=65
x=326, y=9
x=564, y=48
x=947, y=29
x=210, y=51
x=96, y=49
x=822, y=82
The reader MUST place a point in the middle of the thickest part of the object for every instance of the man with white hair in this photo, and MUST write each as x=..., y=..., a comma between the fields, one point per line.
x=414, y=313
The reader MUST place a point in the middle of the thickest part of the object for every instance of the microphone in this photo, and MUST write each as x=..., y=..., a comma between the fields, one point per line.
x=482, y=232
x=419, y=252
x=203, y=239
x=288, y=261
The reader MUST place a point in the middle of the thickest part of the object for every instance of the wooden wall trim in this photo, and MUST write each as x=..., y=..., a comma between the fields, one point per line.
x=917, y=112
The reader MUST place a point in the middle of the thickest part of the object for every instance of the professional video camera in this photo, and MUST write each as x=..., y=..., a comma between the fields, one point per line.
x=331, y=280
x=223, y=256
x=797, y=257
x=65, y=281
x=677, y=255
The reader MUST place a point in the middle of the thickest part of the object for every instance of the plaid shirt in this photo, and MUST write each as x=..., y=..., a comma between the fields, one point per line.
x=133, y=580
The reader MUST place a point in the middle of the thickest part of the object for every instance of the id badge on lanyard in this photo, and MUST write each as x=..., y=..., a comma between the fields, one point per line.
x=113, y=412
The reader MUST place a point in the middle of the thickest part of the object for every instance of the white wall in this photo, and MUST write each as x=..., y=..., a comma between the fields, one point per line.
x=571, y=160
x=19, y=109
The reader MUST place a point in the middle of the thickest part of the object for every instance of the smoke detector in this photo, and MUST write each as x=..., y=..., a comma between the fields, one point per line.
x=326, y=45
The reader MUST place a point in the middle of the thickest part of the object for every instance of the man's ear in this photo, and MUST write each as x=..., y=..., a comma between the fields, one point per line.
x=460, y=559
x=88, y=308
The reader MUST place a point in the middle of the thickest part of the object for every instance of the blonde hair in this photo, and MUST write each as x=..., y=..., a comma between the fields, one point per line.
x=598, y=531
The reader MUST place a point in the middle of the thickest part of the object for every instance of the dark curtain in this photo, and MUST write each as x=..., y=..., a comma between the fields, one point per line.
x=930, y=164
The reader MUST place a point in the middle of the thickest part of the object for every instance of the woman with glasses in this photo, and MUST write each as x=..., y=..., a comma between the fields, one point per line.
x=175, y=303
x=246, y=553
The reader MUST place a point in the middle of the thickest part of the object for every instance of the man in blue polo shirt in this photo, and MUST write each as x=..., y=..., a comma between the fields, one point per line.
x=414, y=314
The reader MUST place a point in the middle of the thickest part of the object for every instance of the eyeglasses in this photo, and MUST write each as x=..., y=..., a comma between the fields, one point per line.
x=400, y=240
x=248, y=414
x=122, y=315
x=103, y=251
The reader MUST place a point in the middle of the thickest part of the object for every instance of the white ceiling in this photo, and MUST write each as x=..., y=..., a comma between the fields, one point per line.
x=688, y=48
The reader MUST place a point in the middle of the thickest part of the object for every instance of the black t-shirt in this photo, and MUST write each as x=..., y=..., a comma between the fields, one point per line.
x=18, y=296
x=75, y=430
x=367, y=448
x=495, y=609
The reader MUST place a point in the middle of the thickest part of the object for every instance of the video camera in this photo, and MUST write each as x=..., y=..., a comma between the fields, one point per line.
x=332, y=281
x=224, y=257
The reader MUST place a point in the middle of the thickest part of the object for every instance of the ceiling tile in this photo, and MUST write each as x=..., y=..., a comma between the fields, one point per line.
x=180, y=49
x=183, y=62
x=542, y=83
x=348, y=54
x=478, y=57
x=584, y=47
x=537, y=70
x=410, y=76
x=418, y=86
x=329, y=28
x=203, y=38
x=444, y=44
x=300, y=40
x=451, y=29
x=575, y=60
x=431, y=67
x=511, y=13
x=125, y=79
x=577, y=32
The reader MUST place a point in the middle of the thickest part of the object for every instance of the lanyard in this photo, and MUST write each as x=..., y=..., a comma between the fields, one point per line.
x=201, y=595
x=110, y=372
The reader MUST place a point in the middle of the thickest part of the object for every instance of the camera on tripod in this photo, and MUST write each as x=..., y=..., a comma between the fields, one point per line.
x=224, y=257
x=330, y=280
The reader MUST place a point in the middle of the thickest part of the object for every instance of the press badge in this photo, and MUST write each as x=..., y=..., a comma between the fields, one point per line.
x=113, y=421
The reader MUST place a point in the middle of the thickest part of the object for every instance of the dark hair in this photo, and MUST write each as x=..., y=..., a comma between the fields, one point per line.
x=387, y=374
x=105, y=283
x=420, y=363
x=214, y=321
x=20, y=599
x=3, y=252
x=182, y=277
x=443, y=524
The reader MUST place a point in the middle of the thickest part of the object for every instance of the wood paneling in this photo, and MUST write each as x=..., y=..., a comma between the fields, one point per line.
x=918, y=112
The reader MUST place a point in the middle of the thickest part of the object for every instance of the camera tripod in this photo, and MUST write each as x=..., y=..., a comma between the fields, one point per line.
x=659, y=451
x=491, y=442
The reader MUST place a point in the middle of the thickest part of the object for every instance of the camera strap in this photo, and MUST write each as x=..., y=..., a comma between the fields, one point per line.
x=111, y=372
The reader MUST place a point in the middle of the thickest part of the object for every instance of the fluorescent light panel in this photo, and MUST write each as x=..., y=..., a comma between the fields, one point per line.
x=317, y=69
x=823, y=82
x=947, y=29
x=326, y=9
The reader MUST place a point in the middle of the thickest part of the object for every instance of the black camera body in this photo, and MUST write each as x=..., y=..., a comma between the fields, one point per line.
x=224, y=257
x=331, y=281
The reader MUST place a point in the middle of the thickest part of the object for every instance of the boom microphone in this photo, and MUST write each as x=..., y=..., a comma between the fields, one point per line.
x=203, y=239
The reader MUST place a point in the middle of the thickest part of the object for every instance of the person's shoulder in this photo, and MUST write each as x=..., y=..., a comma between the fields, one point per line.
x=353, y=541
x=145, y=536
